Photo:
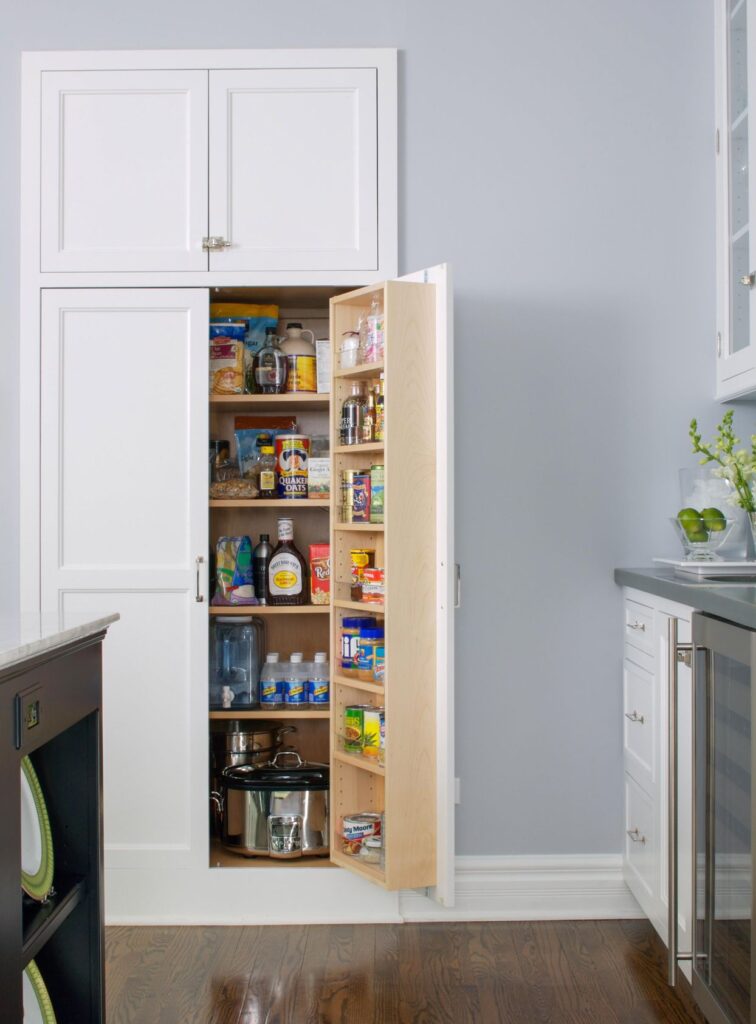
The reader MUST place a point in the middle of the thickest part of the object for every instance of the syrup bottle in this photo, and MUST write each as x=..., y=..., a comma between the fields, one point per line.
x=287, y=569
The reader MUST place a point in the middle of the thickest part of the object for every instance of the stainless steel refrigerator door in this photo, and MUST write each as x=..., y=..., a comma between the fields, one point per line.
x=723, y=815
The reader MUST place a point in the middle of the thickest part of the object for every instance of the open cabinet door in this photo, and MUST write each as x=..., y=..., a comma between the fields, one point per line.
x=407, y=774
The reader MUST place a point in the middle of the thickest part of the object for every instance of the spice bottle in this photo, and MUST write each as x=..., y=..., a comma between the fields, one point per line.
x=378, y=430
x=268, y=486
x=287, y=569
x=353, y=415
x=368, y=420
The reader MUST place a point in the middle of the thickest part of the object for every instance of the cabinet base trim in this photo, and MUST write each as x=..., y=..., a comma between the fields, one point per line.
x=537, y=888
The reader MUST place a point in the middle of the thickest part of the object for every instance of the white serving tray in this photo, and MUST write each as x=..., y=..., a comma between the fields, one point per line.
x=703, y=569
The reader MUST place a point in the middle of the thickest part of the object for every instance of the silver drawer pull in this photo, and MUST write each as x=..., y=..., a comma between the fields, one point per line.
x=635, y=835
x=214, y=242
x=637, y=625
x=633, y=716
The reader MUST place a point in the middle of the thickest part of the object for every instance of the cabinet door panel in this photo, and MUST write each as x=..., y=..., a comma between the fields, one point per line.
x=124, y=170
x=124, y=517
x=293, y=169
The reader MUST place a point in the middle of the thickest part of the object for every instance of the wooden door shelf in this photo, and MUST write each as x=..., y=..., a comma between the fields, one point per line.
x=359, y=527
x=359, y=684
x=369, y=607
x=366, y=764
x=362, y=372
x=371, y=448
x=373, y=872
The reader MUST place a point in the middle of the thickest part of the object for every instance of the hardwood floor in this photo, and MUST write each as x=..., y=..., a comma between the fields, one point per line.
x=567, y=972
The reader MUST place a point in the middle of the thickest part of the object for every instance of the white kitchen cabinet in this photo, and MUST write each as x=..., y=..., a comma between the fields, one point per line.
x=294, y=169
x=123, y=170
x=646, y=759
x=123, y=471
x=214, y=162
x=736, y=193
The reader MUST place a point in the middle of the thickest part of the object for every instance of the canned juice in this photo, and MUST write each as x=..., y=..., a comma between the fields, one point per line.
x=361, y=498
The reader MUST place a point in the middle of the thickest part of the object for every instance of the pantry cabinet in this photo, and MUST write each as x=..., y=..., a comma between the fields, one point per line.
x=258, y=169
x=736, y=189
x=299, y=164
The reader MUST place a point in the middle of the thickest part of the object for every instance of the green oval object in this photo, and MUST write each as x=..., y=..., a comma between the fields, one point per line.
x=692, y=523
x=714, y=520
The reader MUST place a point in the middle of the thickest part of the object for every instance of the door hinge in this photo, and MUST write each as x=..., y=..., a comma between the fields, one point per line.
x=719, y=344
x=717, y=141
x=457, y=585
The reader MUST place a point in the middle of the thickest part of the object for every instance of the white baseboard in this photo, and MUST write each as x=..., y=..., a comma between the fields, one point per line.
x=538, y=888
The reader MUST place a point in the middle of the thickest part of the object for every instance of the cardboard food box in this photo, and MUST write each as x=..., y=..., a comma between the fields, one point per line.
x=320, y=573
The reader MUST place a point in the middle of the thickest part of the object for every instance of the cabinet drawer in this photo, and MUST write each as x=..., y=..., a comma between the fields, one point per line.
x=639, y=723
x=641, y=845
x=639, y=626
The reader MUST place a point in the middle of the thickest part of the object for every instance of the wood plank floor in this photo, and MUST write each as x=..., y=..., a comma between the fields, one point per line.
x=567, y=972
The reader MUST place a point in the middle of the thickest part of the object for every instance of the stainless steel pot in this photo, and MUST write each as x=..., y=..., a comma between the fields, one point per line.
x=274, y=810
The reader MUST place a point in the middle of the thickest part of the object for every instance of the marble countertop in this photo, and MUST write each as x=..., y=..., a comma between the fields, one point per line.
x=735, y=602
x=25, y=636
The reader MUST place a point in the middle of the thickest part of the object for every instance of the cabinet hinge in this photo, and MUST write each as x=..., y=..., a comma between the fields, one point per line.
x=457, y=585
x=719, y=344
x=717, y=141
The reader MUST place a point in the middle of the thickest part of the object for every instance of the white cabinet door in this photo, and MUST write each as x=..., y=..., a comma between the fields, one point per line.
x=123, y=521
x=124, y=170
x=293, y=169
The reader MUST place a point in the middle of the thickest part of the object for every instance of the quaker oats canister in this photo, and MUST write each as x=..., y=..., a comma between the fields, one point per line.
x=292, y=458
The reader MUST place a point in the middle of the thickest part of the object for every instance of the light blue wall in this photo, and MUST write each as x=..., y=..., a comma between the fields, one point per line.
x=560, y=155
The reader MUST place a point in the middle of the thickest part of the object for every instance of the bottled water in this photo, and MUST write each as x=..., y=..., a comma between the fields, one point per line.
x=270, y=682
x=294, y=679
x=320, y=675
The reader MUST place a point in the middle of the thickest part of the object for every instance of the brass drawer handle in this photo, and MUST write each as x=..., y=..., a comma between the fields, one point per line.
x=633, y=716
x=635, y=835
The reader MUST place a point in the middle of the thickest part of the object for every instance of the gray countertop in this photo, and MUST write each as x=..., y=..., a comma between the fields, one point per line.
x=26, y=636
x=732, y=601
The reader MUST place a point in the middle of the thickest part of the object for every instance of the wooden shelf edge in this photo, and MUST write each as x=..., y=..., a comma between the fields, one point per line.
x=360, y=684
x=270, y=503
x=220, y=857
x=47, y=918
x=361, y=370
x=371, y=448
x=281, y=713
x=266, y=609
x=369, y=871
x=360, y=527
x=363, y=763
x=298, y=398
x=368, y=607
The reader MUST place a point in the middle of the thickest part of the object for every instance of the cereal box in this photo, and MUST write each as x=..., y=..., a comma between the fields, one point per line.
x=320, y=573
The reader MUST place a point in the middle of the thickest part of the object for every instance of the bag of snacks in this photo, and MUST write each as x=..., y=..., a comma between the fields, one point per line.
x=226, y=360
x=233, y=571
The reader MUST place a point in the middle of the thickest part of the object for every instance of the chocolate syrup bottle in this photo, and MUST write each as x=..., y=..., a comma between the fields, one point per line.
x=287, y=570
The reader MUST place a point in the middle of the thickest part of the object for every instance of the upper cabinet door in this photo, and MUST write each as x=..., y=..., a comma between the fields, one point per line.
x=124, y=170
x=736, y=193
x=293, y=169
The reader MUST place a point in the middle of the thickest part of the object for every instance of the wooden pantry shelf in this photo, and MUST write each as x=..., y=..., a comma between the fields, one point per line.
x=270, y=713
x=266, y=609
x=359, y=527
x=361, y=372
x=366, y=764
x=290, y=503
x=360, y=684
x=220, y=857
x=373, y=872
x=369, y=607
x=373, y=447
x=267, y=403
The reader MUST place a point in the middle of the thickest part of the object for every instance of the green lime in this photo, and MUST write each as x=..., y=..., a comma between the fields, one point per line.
x=714, y=520
x=692, y=523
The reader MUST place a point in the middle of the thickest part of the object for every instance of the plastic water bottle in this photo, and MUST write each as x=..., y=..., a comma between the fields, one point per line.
x=294, y=681
x=320, y=676
x=270, y=682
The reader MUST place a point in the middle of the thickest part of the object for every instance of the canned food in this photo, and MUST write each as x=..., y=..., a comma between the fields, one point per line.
x=292, y=457
x=361, y=498
x=362, y=728
x=356, y=828
x=347, y=495
x=360, y=558
x=377, y=488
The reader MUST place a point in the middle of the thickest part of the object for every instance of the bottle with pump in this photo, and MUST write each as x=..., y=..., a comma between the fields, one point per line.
x=287, y=569
x=260, y=559
x=294, y=681
x=320, y=680
x=270, y=682
x=270, y=366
